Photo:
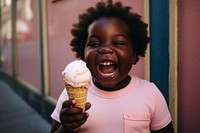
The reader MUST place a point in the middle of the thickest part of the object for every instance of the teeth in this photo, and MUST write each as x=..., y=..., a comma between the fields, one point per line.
x=106, y=63
x=108, y=74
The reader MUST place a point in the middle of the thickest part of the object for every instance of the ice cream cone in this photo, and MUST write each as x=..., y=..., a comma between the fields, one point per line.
x=77, y=79
x=79, y=94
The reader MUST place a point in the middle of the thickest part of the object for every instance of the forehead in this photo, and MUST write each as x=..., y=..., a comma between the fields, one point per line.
x=108, y=24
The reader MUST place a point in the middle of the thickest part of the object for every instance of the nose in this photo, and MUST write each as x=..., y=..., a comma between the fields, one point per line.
x=106, y=49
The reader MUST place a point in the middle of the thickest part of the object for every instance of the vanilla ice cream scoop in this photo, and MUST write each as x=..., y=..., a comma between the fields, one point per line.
x=77, y=74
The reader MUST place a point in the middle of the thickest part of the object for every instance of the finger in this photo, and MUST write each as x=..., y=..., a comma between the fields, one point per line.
x=70, y=111
x=80, y=123
x=74, y=125
x=72, y=122
x=87, y=106
x=68, y=103
x=75, y=118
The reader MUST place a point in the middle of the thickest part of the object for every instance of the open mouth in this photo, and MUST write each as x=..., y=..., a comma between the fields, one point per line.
x=107, y=69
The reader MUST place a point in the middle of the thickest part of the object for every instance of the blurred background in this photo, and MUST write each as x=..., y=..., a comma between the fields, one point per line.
x=34, y=49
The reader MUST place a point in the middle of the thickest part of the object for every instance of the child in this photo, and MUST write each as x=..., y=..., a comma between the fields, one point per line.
x=110, y=39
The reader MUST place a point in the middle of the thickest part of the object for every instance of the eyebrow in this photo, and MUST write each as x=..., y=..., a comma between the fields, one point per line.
x=125, y=36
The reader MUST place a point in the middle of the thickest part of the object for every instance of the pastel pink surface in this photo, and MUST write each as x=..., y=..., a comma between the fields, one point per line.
x=139, y=107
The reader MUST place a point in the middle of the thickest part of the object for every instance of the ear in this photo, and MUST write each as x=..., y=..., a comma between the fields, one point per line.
x=135, y=59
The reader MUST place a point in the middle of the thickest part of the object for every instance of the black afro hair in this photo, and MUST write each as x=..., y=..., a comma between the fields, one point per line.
x=138, y=29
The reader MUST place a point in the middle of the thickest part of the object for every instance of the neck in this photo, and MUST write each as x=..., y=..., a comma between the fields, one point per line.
x=119, y=86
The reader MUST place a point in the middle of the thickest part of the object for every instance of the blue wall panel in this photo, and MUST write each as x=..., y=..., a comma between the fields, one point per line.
x=159, y=47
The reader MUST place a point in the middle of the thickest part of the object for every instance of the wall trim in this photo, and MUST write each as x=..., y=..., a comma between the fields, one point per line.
x=28, y=85
x=43, y=47
x=173, y=73
x=147, y=56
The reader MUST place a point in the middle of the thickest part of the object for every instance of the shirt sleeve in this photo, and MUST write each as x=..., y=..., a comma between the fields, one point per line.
x=161, y=116
x=56, y=113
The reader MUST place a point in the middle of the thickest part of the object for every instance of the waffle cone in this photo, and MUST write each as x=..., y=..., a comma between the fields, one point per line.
x=79, y=94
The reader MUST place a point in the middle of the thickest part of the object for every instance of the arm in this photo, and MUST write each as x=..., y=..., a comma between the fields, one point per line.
x=55, y=125
x=167, y=129
x=58, y=128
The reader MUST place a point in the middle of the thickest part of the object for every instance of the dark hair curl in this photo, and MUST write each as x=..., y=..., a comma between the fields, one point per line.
x=138, y=29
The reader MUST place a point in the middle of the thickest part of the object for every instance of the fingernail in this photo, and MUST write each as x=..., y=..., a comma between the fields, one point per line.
x=73, y=101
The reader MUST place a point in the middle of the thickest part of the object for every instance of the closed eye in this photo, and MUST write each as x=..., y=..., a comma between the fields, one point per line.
x=119, y=43
x=93, y=44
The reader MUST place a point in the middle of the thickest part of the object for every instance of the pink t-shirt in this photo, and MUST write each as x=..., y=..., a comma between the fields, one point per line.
x=137, y=108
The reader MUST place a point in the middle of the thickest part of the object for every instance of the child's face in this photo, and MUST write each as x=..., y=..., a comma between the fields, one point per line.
x=108, y=51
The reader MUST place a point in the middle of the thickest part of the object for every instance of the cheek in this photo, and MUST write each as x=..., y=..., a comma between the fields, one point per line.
x=89, y=58
x=126, y=55
x=126, y=59
x=89, y=55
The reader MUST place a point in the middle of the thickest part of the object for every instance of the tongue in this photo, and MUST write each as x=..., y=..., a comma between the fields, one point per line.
x=106, y=69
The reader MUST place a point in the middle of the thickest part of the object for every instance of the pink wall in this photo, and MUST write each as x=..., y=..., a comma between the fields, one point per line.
x=61, y=15
x=189, y=63
x=27, y=43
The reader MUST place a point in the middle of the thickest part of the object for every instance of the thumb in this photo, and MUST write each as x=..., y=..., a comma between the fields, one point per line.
x=87, y=105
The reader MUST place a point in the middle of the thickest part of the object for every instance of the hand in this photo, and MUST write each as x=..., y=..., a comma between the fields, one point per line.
x=72, y=117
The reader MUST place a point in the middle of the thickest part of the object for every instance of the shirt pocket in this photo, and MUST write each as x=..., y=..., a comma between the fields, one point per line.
x=136, y=123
